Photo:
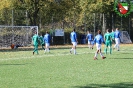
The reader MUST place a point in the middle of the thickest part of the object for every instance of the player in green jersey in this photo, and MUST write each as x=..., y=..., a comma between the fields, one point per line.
x=108, y=41
x=113, y=34
x=41, y=41
x=35, y=40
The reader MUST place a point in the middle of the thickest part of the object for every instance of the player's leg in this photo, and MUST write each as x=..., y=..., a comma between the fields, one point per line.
x=35, y=49
x=89, y=44
x=43, y=46
x=115, y=43
x=99, y=48
x=95, y=57
x=71, y=48
x=48, y=45
x=106, y=46
x=118, y=47
x=103, y=57
x=74, y=47
x=110, y=47
x=96, y=53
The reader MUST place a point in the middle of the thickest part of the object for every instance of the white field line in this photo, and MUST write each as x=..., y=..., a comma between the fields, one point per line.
x=50, y=55
x=40, y=56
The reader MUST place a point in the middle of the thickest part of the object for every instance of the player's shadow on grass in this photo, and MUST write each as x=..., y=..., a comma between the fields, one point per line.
x=116, y=85
x=16, y=50
x=121, y=58
x=127, y=53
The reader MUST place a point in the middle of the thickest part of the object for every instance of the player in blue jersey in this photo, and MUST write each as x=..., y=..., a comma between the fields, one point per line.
x=117, y=39
x=89, y=37
x=73, y=37
x=98, y=40
x=47, y=40
x=35, y=41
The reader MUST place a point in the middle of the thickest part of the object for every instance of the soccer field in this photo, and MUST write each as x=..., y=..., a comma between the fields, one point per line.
x=60, y=69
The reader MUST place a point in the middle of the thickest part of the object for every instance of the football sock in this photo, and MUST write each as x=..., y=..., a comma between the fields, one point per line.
x=118, y=47
x=110, y=50
x=71, y=49
x=105, y=50
x=101, y=54
x=95, y=54
x=48, y=49
x=74, y=51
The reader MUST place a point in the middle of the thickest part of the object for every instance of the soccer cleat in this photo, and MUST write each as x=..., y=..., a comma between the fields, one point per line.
x=103, y=57
x=33, y=53
x=95, y=58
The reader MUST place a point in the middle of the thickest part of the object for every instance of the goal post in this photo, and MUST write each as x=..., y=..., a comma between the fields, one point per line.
x=125, y=38
x=17, y=35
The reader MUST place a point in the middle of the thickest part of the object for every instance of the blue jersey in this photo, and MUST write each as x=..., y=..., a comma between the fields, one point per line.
x=98, y=39
x=47, y=38
x=73, y=37
x=89, y=37
x=117, y=34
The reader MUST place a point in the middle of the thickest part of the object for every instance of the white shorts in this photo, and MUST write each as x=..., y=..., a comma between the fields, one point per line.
x=74, y=43
x=47, y=44
x=98, y=46
x=117, y=40
x=89, y=42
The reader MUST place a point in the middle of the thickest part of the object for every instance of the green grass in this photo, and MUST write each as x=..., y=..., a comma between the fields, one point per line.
x=60, y=69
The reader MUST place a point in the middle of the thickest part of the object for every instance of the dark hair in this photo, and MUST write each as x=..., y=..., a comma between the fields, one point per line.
x=74, y=29
x=99, y=31
x=107, y=30
x=46, y=31
x=35, y=32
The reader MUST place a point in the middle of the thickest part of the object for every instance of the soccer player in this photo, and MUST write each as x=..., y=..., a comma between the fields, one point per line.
x=73, y=37
x=117, y=39
x=98, y=40
x=35, y=40
x=89, y=37
x=41, y=41
x=108, y=41
x=112, y=34
x=47, y=40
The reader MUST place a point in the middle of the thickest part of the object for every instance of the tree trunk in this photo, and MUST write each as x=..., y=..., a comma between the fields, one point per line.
x=104, y=24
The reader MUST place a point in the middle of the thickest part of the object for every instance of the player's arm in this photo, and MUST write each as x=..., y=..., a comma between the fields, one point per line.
x=76, y=38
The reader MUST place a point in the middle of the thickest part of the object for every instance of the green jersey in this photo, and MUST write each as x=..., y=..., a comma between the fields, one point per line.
x=107, y=37
x=35, y=39
x=112, y=34
x=41, y=40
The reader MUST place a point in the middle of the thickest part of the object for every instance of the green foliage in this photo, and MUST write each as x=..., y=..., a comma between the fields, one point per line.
x=74, y=13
